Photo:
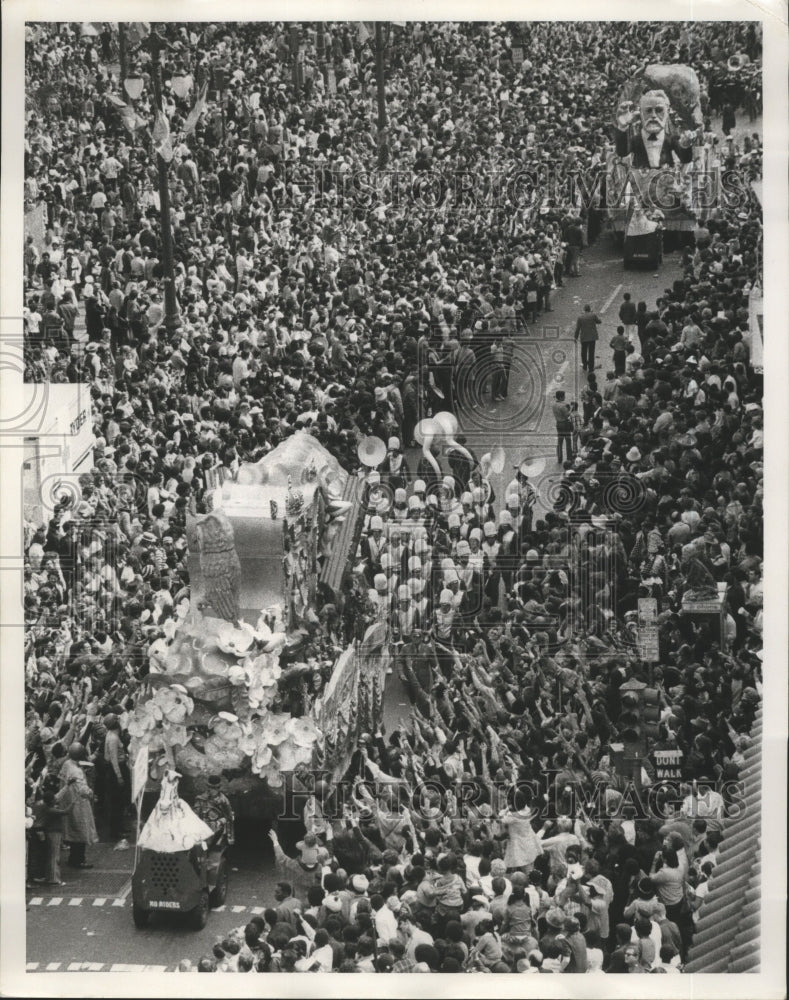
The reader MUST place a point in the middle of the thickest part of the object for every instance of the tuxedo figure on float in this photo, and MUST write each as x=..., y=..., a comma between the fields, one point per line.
x=651, y=146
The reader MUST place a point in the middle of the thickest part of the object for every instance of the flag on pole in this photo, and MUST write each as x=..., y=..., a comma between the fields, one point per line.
x=365, y=31
x=131, y=120
x=161, y=137
x=136, y=31
x=194, y=115
x=139, y=774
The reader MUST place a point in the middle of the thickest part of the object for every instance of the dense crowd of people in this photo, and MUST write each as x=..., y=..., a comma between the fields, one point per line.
x=305, y=301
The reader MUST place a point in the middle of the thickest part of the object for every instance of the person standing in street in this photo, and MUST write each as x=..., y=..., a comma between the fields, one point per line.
x=628, y=316
x=564, y=427
x=80, y=826
x=115, y=776
x=619, y=345
x=586, y=332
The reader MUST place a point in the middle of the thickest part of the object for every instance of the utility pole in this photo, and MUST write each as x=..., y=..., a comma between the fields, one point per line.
x=380, y=85
x=294, y=53
x=122, y=51
x=172, y=318
x=321, y=48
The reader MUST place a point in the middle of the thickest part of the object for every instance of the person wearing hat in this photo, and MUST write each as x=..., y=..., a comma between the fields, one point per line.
x=372, y=547
x=491, y=548
x=380, y=598
x=79, y=829
x=405, y=617
x=396, y=473
x=445, y=618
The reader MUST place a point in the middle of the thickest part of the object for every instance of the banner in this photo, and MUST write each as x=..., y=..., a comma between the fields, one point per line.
x=139, y=774
x=161, y=137
x=353, y=700
x=194, y=115
x=648, y=645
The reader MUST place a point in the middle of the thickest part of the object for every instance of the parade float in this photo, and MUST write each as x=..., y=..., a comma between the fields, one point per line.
x=219, y=697
x=660, y=173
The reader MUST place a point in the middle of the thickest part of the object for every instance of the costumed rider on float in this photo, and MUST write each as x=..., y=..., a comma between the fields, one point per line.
x=213, y=807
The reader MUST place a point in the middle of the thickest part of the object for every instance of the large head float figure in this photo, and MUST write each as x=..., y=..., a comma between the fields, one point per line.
x=646, y=133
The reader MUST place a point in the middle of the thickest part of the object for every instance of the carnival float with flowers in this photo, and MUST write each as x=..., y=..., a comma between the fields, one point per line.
x=218, y=695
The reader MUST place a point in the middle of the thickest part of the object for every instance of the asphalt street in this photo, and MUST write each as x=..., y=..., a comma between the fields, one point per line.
x=86, y=925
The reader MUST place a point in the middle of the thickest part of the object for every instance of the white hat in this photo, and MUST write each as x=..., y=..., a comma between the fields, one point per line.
x=414, y=563
x=400, y=495
x=373, y=478
x=376, y=523
x=454, y=521
x=386, y=561
x=419, y=486
x=513, y=500
x=445, y=597
x=466, y=498
x=505, y=517
x=379, y=581
x=414, y=503
x=634, y=455
x=489, y=528
x=393, y=444
x=403, y=592
x=475, y=533
x=463, y=549
x=448, y=482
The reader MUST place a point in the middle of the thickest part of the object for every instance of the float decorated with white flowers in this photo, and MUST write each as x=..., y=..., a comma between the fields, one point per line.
x=218, y=695
x=212, y=704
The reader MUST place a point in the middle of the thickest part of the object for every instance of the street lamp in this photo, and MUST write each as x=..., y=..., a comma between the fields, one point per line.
x=133, y=85
x=181, y=82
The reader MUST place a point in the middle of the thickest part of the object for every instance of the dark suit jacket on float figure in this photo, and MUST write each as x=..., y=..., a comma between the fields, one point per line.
x=626, y=143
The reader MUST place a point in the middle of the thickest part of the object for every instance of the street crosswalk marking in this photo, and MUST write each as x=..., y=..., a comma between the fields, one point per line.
x=36, y=901
x=55, y=901
x=238, y=909
x=610, y=299
x=99, y=902
x=119, y=902
x=257, y=910
x=77, y=901
x=220, y=909
x=98, y=967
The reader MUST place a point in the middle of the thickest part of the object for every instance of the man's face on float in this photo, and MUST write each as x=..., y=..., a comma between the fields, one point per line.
x=654, y=113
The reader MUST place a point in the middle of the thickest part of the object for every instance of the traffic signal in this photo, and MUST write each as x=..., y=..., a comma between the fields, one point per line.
x=650, y=715
x=639, y=718
x=629, y=721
